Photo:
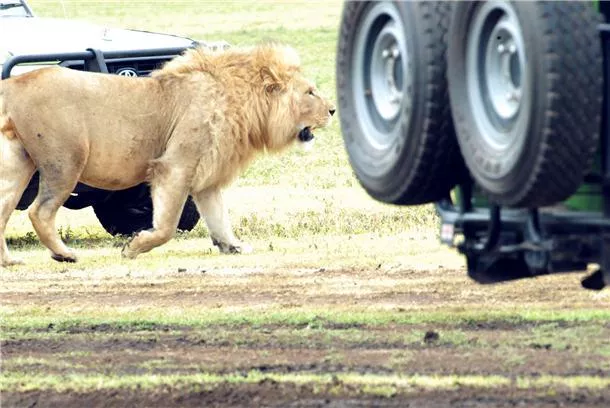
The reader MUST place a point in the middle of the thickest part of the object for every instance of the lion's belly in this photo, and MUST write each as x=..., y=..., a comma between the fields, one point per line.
x=112, y=176
x=115, y=169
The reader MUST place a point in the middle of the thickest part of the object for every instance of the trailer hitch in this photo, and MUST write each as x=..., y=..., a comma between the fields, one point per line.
x=505, y=256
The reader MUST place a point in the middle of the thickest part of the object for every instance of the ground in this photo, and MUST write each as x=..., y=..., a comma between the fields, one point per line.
x=352, y=320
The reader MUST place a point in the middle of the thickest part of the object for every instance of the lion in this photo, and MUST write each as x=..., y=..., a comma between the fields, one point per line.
x=190, y=128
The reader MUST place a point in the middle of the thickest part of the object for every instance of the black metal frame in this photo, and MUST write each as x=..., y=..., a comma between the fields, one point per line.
x=504, y=244
x=26, y=8
x=94, y=59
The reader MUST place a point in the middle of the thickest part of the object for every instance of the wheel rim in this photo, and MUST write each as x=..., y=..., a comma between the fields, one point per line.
x=382, y=81
x=497, y=79
x=386, y=74
x=503, y=70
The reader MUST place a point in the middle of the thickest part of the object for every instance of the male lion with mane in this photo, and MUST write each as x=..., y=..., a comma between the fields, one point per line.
x=189, y=129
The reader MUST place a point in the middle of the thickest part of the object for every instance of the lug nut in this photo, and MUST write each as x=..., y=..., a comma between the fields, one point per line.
x=513, y=96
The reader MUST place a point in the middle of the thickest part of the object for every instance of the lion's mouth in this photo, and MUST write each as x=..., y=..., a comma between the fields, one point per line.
x=305, y=134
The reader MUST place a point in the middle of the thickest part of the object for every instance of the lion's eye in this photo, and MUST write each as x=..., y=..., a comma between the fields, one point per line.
x=310, y=93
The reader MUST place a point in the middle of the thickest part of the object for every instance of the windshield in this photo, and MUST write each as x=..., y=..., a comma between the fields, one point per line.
x=14, y=8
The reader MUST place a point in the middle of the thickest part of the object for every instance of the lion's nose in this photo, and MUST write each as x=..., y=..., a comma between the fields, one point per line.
x=332, y=111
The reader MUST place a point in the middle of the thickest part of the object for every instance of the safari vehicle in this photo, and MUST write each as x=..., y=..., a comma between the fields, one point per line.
x=28, y=42
x=497, y=112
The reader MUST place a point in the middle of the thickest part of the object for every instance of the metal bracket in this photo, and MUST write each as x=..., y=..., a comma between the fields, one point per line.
x=98, y=63
x=538, y=259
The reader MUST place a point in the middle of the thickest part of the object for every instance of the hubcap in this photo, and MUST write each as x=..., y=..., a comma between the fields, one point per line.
x=387, y=73
x=503, y=70
x=382, y=83
x=497, y=79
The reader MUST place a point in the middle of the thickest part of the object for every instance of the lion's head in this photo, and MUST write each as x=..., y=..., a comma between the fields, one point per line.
x=296, y=108
x=276, y=103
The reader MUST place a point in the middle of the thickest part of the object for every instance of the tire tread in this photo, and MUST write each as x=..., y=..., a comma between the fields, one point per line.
x=573, y=114
x=436, y=165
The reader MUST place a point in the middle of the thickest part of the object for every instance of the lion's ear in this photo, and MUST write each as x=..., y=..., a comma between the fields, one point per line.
x=273, y=88
x=271, y=80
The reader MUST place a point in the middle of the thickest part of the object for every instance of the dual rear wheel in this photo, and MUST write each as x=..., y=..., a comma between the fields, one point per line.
x=509, y=93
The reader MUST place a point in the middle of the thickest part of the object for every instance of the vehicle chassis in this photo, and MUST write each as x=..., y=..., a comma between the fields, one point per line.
x=502, y=244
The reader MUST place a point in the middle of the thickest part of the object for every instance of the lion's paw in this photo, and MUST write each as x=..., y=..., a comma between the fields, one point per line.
x=241, y=249
x=127, y=252
x=10, y=262
x=67, y=257
x=132, y=247
x=238, y=248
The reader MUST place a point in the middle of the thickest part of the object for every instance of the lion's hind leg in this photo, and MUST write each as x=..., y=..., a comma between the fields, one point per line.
x=56, y=184
x=16, y=170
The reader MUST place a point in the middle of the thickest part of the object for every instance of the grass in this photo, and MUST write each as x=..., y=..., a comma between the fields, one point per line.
x=330, y=220
x=508, y=345
x=33, y=319
x=106, y=357
x=367, y=383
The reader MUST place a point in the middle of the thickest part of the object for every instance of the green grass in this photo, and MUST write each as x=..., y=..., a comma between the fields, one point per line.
x=27, y=319
x=332, y=220
x=92, y=365
x=508, y=345
x=367, y=383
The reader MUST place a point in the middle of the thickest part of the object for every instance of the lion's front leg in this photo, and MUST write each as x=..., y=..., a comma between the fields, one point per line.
x=210, y=204
x=169, y=191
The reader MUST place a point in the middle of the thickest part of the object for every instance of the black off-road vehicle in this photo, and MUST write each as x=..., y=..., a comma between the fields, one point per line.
x=497, y=112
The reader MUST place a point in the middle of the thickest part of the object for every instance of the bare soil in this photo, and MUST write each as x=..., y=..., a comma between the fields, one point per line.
x=510, y=349
x=274, y=394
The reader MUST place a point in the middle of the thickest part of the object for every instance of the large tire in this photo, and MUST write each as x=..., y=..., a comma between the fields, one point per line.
x=526, y=89
x=120, y=217
x=393, y=100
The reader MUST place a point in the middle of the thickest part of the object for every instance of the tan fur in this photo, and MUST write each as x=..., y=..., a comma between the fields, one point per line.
x=191, y=128
x=7, y=127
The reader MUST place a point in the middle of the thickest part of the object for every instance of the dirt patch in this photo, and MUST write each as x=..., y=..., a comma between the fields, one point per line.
x=392, y=349
x=274, y=394
x=396, y=288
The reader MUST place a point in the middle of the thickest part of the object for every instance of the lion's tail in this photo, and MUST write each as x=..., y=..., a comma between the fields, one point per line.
x=7, y=127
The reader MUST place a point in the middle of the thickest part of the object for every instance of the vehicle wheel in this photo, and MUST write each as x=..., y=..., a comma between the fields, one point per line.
x=393, y=100
x=526, y=88
x=121, y=218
